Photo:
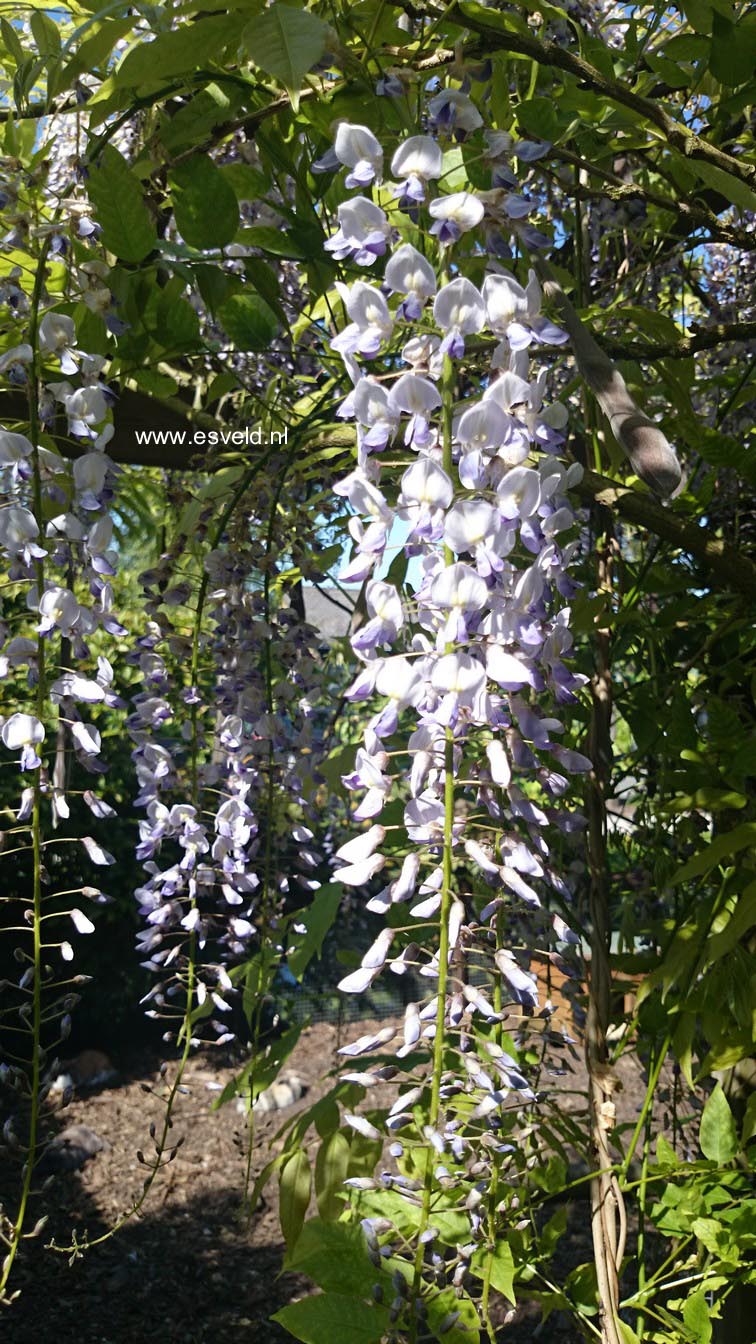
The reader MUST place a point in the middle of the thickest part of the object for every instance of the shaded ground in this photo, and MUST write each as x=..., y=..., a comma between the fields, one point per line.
x=189, y=1268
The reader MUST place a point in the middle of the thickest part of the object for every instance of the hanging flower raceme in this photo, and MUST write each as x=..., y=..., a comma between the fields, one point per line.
x=222, y=759
x=463, y=655
x=58, y=557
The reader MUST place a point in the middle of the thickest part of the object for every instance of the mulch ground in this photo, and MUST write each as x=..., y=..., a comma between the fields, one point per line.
x=191, y=1267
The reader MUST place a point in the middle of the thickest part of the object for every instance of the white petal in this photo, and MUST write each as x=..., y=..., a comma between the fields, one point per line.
x=356, y=874
x=414, y=395
x=459, y=306
x=354, y=143
x=96, y=853
x=20, y=730
x=86, y=737
x=364, y=1044
x=427, y=483
x=459, y=586
x=418, y=156
x=362, y=846
x=357, y=983
x=409, y=272
x=506, y=669
x=465, y=209
x=501, y=771
x=83, y=925
x=362, y=1126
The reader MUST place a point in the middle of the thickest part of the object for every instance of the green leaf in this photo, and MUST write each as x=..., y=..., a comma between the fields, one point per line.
x=94, y=51
x=178, y=51
x=193, y=121
x=334, y=1256
x=749, y=1120
x=331, y=1170
x=250, y=323
x=286, y=43
x=730, y=187
x=333, y=1318
x=710, y=1233
x=582, y=1289
x=705, y=800
x=697, y=1317
x=669, y=71
x=739, y=921
x=206, y=209
x=278, y=242
x=294, y=1196
x=12, y=41
x=317, y=919
x=46, y=33
x=665, y=1153
x=537, y=116
x=177, y=324
x=733, y=50
x=119, y=208
x=213, y=284
x=262, y=1069
x=718, y=1136
x=502, y=1268
x=446, y=1305
x=265, y=283
x=722, y=847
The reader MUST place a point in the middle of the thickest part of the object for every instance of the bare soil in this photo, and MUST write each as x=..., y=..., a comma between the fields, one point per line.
x=191, y=1267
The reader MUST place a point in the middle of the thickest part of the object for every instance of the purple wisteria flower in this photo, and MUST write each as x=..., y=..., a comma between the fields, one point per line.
x=362, y=233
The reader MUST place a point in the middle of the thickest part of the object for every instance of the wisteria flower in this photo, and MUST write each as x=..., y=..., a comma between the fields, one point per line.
x=545, y=426
x=529, y=151
x=426, y=492
x=59, y=609
x=519, y=493
x=374, y=414
x=386, y=617
x=418, y=398
x=417, y=161
x=19, y=531
x=459, y=590
x=369, y=774
x=461, y=681
x=14, y=448
x=17, y=356
x=90, y=474
x=453, y=110
x=364, y=497
x=483, y=427
x=357, y=149
x=403, y=682
x=409, y=272
x=459, y=311
x=371, y=323
x=454, y=215
x=509, y=392
x=24, y=732
x=475, y=525
x=515, y=313
x=57, y=335
x=423, y=354
x=86, y=407
x=362, y=234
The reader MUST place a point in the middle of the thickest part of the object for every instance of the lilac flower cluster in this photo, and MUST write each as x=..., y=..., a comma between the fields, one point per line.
x=59, y=560
x=56, y=540
x=464, y=659
x=236, y=747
